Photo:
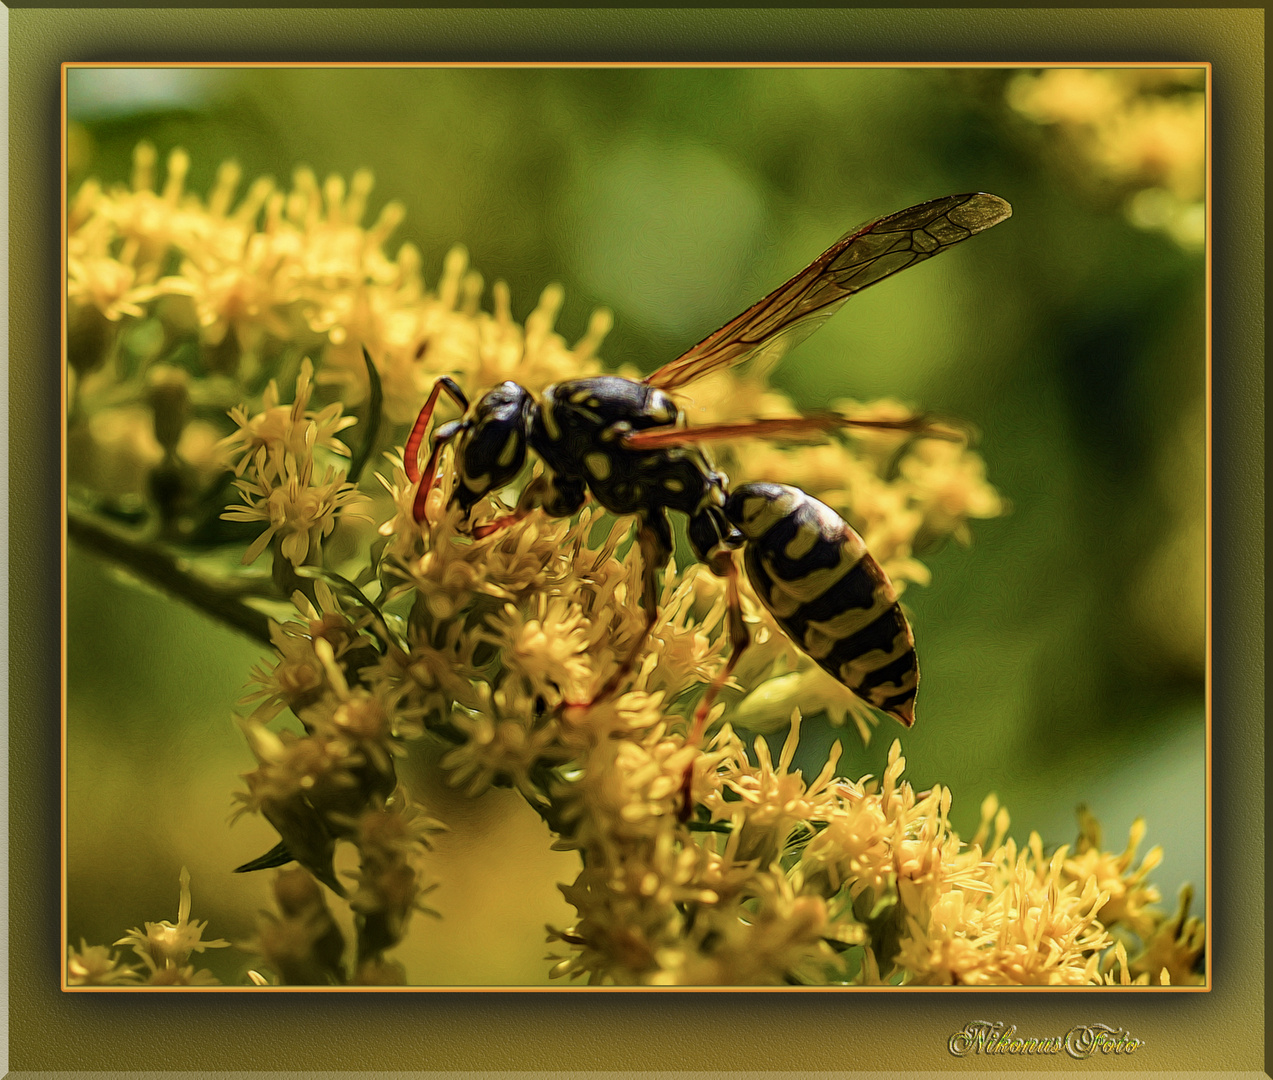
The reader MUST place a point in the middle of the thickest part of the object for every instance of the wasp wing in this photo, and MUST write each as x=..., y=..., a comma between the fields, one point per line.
x=862, y=257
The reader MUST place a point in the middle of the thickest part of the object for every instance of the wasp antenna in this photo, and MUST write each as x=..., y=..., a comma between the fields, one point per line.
x=411, y=451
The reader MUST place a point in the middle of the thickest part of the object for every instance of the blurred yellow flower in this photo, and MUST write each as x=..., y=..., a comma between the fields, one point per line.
x=1141, y=131
x=96, y=965
x=164, y=947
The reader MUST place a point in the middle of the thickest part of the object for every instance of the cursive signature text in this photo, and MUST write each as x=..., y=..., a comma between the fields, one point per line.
x=1080, y=1042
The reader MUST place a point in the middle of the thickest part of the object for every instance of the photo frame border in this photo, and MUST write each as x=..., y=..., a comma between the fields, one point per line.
x=820, y=1032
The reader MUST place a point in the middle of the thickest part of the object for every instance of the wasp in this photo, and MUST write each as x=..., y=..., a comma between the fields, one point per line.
x=626, y=444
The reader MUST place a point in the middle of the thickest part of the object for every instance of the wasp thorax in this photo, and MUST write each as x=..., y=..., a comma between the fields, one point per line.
x=492, y=448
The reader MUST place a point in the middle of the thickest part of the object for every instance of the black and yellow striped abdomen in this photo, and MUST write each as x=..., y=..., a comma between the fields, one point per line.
x=814, y=574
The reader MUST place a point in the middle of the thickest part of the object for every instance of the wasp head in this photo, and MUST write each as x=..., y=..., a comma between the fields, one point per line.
x=492, y=442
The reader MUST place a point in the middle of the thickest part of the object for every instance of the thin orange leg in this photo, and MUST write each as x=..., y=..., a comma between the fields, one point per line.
x=531, y=499
x=739, y=638
x=481, y=532
x=411, y=451
x=427, y=479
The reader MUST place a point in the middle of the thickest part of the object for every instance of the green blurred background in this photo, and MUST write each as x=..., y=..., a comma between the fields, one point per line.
x=1063, y=652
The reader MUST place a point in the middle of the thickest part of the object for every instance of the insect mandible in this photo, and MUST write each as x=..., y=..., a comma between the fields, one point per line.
x=625, y=443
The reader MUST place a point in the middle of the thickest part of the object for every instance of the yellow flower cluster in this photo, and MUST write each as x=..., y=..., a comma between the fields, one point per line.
x=1141, y=130
x=825, y=881
x=314, y=787
x=335, y=782
x=277, y=452
x=302, y=943
x=701, y=864
x=275, y=264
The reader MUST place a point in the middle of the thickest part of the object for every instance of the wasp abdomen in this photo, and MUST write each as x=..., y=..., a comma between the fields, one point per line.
x=814, y=574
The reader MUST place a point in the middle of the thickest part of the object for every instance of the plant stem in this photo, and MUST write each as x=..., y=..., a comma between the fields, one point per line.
x=158, y=566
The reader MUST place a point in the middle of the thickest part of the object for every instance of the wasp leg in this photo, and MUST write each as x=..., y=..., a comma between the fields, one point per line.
x=530, y=500
x=411, y=452
x=656, y=438
x=554, y=495
x=655, y=540
x=739, y=639
x=429, y=476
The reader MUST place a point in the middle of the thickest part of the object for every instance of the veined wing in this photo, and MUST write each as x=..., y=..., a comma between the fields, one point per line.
x=864, y=256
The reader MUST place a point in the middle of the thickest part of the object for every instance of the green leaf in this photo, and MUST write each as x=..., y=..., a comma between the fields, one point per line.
x=375, y=411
